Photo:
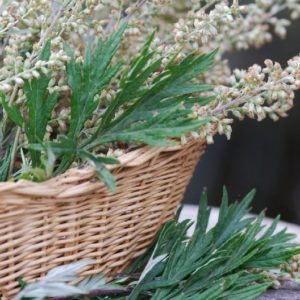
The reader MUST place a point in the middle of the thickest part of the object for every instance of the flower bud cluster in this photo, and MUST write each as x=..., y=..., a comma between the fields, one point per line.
x=257, y=93
x=263, y=92
x=231, y=26
x=293, y=267
x=181, y=27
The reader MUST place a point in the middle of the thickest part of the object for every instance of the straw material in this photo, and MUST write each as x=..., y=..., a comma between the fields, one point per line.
x=72, y=216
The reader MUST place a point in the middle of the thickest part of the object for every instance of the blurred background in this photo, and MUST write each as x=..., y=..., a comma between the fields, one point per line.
x=262, y=155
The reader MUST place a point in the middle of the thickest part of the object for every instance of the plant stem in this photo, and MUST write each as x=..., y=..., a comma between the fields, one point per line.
x=14, y=151
x=242, y=98
x=101, y=292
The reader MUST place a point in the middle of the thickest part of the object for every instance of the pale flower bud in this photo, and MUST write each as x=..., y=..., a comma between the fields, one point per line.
x=36, y=74
x=209, y=139
x=19, y=81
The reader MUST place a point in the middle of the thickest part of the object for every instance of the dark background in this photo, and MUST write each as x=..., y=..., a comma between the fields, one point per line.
x=263, y=155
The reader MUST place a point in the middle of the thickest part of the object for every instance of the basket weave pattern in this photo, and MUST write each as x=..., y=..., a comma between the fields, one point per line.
x=72, y=216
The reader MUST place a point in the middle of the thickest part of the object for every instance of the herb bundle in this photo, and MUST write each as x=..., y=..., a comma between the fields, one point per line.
x=83, y=81
x=153, y=114
x=236, y=259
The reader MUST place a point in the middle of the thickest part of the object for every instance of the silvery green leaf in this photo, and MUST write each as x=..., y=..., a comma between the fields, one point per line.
x=54, y=283
x=41, y=290
x=96, y=282
x=92, y=283
x=151, y=263
x=66, y=273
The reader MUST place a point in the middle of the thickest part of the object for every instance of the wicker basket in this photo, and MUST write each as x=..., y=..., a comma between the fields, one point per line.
x=72, y=216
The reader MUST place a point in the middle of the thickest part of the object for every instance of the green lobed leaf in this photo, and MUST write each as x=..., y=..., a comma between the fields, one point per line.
x=197, y=265
x=98, y=163
x=86, y=80
x=153, y=115
x=39, y=104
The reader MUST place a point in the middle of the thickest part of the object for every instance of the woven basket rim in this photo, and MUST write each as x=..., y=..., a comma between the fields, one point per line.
x=57, y=186
x=40, y=232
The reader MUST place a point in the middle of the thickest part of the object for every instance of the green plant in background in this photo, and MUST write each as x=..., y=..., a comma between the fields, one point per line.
x=236, y=259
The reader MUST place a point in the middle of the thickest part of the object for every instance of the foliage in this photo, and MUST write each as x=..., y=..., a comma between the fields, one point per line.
x=55, y=283
x=228, y=261
x=138, y=114
x=81, y=86
x=86, y=80
x=39, y=105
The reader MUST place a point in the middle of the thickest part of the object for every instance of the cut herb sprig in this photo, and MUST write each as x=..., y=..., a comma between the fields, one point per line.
x=236, y=259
